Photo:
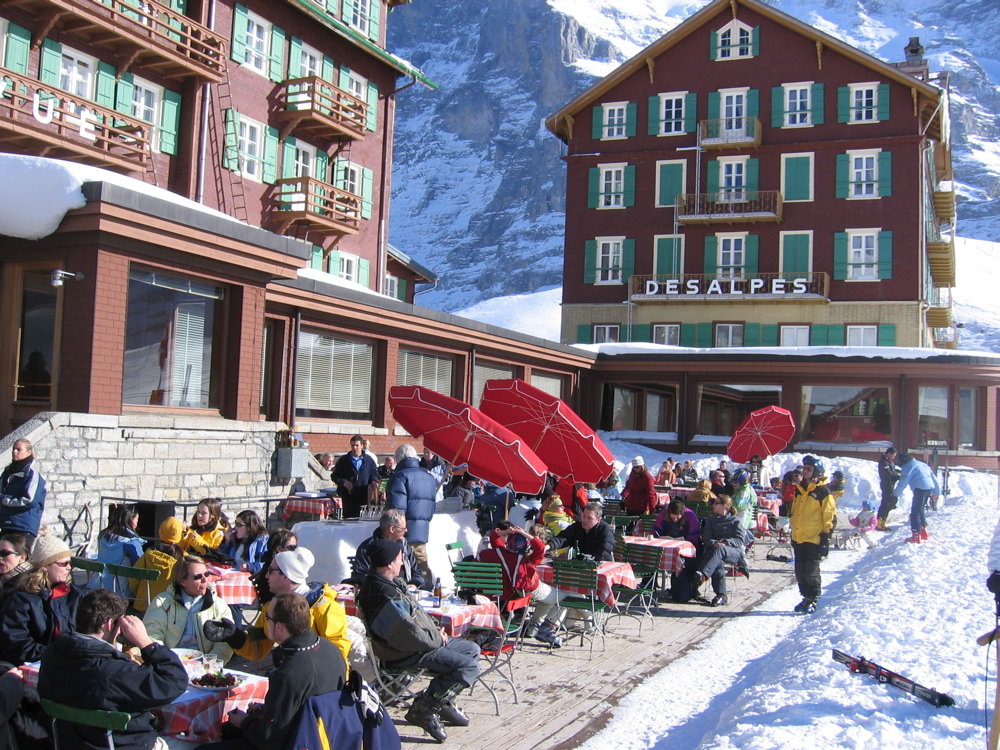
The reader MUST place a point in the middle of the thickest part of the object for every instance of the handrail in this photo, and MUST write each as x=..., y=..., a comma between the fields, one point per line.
x=730, y=202
x=313, y=197
x=311, y=95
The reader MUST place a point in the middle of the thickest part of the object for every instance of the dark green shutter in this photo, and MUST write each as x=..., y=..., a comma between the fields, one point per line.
x=104, y=92
x=753, y=178
x=276, y=66
x=704, y=335
x=295, y=58
x=887, y=335
x=884, y=174
x=322, y=170
x=628, y=260
x=840, y=256
x=374, y=18
x=797, y=183
x=816, y=104
x=583, y=334
x=844, y=104
x=371, y=122
x=640, y=332
x=690, y=113
x=835, y=335
x=628, y=199
x=843, y=187
x=17, y=49
x=883, y=102
x=288, y=159
x=712, y=183
x=316, y=258
x=711, y=254
x=270, y=171
x=751, y=334
x=714, y=105
x=339, y=167
x=170, y=122
x=713, y=45
x=51, y=60
x=753, y=103
x=346, y=11
x=364, y=271
x=752, y=254
x=777, y=106
x=231, y=150
x=671, y=183
x=688, y=334
x=240, y=18
x=655, y=116
x=795, y=256
x=631, y=117
x=667, y=256
x=590, y=262
x=885, y=255
x=755, y=40
x=818, y=335
x=344, y=81
x=401, y=289
x=367, y=192
x=769, y=335
x=593, y=187
x=597, y=126
x=327, y=70
x=124, y=93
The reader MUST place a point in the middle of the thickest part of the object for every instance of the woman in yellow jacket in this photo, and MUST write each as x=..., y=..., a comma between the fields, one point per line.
x=208, y=530
x=813, y=511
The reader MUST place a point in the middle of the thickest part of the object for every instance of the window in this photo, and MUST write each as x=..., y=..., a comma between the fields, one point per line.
x=733, y=110
x=361, y=16
x=668, y=257
x=932, y=416
x=356, y=180
x=732, y=256
x=258, y=43
x=428, y=370
x=846, y=413
x=667, y=333
x=309, y=63
x=735, y=41
x=609, y=260
x=728, y=334
x=862, y=259
x=862, y=335
x=606, y=334
x=483, y=372
x=794, y=335
x=333, y=377
x=37, y=333
x=864, y=102
x=169, y=341
x=550, y=384
x=733, y=179
x=147, y=103
x=347, y=266
x=671, y=113
x=391, y=286
x=863, y=174
x=797, y=177
x=615, y=120
x=968, y=418
x=77, y=73
x=798, y=104
x=250, y=145
x=612, y=193
x=796, y=254
x=671, y=177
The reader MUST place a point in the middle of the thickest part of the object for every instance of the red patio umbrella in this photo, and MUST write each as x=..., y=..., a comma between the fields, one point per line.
x=554, y=431
x=765, y=432
x=461, y=434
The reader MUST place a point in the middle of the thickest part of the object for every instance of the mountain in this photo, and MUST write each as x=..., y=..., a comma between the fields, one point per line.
x=478, y=183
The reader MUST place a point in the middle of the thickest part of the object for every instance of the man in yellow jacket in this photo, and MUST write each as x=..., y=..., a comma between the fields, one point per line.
x=287, y=575
x=813, y=511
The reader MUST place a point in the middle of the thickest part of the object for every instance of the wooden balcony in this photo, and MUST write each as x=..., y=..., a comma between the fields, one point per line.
x=790, y=287
x=322, y=208
x=318, y=108
x=53, y=123
x=143, y=32
x=944, y=202
x=730, y=132
x=946, y=338
x=941, y=258
x=736, y=205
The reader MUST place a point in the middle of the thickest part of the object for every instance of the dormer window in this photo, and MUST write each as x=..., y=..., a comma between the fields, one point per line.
x=735, y=41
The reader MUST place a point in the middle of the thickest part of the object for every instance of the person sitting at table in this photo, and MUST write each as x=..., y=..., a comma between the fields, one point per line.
x=677, y=521
x=702, y=493
x=388, y=468
x=720, y=486
x=403, y=636
x=688, y=474
x=723, y=539
x=555, y=517
x=208, y=530
x=246, y=542
x=639, y=494
x=278, y=541
x=590, y=536
x=724, y=468
x=391, y=525
x=465, y=490
x=665, y=477
x=44, y=605
x=177, y=616
x=118, y=544
x=161, y=556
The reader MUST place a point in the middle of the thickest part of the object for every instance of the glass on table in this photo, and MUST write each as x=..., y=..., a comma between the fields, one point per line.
x=213, y=663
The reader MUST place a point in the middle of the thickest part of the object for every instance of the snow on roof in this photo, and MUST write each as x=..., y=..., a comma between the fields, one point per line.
x=870, y=352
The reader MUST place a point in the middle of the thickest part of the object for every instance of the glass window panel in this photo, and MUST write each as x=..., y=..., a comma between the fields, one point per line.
x=722, y=407
x=482, y=373
x=624, y=408
x=38, y=325
x=551, y=384
x=968, y=418
x=846, y=414
x=428, y=370
x=932, y=416
x=333, y=377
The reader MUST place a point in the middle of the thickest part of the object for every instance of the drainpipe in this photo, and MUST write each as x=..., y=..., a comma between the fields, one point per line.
x=902, y=413
x=683, y=406
x=206, y=103
x=294, y=369
x=388, y=135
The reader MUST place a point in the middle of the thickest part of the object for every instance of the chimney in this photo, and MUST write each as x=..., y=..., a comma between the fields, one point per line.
x=914, y=51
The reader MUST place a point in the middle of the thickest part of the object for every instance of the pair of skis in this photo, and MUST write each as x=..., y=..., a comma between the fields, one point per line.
x=860, y=665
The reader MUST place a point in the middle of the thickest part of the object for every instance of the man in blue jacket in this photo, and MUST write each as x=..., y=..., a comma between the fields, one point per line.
x=413, y=490
x=922, y=479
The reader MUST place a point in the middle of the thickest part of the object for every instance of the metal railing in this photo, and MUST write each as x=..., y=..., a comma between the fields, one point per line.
x=730, y=204
x=730, y=131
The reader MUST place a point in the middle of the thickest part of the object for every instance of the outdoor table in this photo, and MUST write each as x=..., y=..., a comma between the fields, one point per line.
x=608, y=574
x=195, y=716
x=456, y=621
x=320, y=506
x=234, y=586
x=674, y=551
x=681, y=492
x=772, y=504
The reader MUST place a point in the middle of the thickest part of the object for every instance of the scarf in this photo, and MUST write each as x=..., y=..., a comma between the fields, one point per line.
x=15, y=571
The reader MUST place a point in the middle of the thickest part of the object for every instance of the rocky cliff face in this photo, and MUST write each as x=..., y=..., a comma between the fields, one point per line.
x=478, y=183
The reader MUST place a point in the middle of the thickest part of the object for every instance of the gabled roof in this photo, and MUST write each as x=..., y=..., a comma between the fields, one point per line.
x=557, y=122
x=424, y=274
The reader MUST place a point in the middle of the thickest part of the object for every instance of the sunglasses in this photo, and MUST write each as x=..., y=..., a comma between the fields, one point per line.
x=718, y=502
x=63, y=563
x=289, y=548
x=240, y=525
x=5, y=553
x=198, y=577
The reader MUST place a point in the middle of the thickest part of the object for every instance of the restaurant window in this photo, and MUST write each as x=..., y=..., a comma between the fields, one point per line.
x=619, y=408
x=171, y=352
x=932, y=416
x=661, y=412
x=36, y=337
x=333, y=377
x=722, y=407
x=482, y=373
x=968, y=418
x=846, y=414
x=428, y=370
x=550, y=384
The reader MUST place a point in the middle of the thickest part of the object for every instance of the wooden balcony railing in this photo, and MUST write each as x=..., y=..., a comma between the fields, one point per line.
x=946, y=338
x=324, y=208
x=730, y=284
x=317, y=107
x=146, y=32
x=941, y=259
x=730, y=205
x=50, y=122
x=730, y=132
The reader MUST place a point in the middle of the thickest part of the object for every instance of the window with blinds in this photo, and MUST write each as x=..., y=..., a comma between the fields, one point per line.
x=333, y=377
x=428, y=370
x=551, y=384
x=482, y=373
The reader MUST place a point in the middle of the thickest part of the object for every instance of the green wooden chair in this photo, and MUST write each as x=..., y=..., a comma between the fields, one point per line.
x=623, y=524
x=581, y=575
x=453, y=547
x=645, y=525
x=144, y=575
x=110, y=721
x=619, y=547
x=88, y=566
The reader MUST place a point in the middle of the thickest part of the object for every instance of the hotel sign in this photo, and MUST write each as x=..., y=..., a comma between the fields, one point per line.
x=747, y=286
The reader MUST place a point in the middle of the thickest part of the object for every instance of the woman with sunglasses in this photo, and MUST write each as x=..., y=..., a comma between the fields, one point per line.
x=15, y=549
x=281, y=540
x=724, y=540
x=246, y=542
x=43, y=606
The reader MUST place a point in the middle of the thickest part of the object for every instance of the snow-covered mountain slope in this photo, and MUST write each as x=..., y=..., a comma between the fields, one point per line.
x=478, y=185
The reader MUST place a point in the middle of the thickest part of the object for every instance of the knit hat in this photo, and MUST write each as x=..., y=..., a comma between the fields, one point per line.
x=49, y=549
x=554, y=505
x=295, y=564
x=638, y=461
x=382, y=552
x=171, y=531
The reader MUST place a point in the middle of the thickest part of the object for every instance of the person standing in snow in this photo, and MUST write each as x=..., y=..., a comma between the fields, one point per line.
x=812, y=523
x=888, y=475
x=923, y=481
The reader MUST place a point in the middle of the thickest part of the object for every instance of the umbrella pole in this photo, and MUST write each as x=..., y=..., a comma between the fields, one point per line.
x=506, y=503
x=545, y=429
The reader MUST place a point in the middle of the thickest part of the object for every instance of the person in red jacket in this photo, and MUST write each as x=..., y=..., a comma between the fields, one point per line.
x=640, y=494
x=518, y=552
x=573, y=494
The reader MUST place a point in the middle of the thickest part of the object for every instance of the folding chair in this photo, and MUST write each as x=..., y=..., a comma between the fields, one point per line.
x=578, y=576
x=109, y=721
x=612, y=507
x=645, y=561
x=90, y=568
x=141, y=574
x=394, y=684
x=451, y=547
x=645, y=525
x=619, y=547
x=623, y=524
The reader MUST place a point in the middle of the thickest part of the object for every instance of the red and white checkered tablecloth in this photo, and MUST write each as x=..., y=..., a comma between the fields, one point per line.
x=456, y=621
x=321, y=506
x=608, y=574
x=772, y=504
x=234, y=586
x=674, y=551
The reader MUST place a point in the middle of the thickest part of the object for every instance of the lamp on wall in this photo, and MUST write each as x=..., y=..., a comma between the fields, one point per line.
x=58, y=277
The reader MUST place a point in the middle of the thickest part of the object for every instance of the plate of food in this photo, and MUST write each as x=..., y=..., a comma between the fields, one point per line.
x=188, y=654
x=217, y=682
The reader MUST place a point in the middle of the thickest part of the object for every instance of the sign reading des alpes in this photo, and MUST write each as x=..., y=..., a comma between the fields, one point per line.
x=671, y=287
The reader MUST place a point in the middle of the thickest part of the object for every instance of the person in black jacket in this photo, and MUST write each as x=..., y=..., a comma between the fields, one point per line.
x=724, y=541
x=85, y=670
x=413, y=490
x=590, y=535
x=391, y=525
x=357, y=478
x=888, y=475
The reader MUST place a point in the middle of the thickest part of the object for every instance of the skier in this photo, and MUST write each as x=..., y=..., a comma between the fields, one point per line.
x=922, y=479
x=812, y=523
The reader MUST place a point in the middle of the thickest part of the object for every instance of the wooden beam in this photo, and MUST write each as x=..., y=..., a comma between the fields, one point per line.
x=651, y=64
x=819, y=54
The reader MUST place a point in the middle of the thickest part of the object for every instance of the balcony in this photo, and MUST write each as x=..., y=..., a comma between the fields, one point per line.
x=941, y=259
x=730, y=132
x=727, y=286
x=939, y=314
x=65, y=127
x=142, y=32
x=318, y=108
x=944, y=202
x=321, y=208
x=945, y=338
x=730, y=206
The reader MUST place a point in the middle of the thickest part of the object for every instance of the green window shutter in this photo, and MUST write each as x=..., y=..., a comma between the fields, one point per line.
x=401, y=289
x=583, y=334
x=712, y=182
x=777, y=106
x=628, y=199
x=840, y=256
x=671, y=183
x=123, y=93
x=753, y=103
x=590, y=262
x=884, y=174
x=316, y=258
x=713, y=45
x=347, y=11
x=755, y=40
x=885, y=255
x=333, y=262
x=843, y=176
x=703, y=335
x=769, y=335
x=752, y=254
x=883, y=102
x=641, y=332
x=667, y=257
x=751, y=334
x=338, y=172
x=50, y=61
x=795, y=256
x=887, y=335
x=276, y=67
x=344, y=80
x=231, y=152
x=364, y=271
x=295, y=58
x=367, y=187
x=690, y=113
x=835, y=336
x=240, y=17
x=714, y=105
x=818, y=335
x=816, y=104
x=374, y=18
x=17, y=48
x=105, y=90
x=631, y=117
x=288, y=158
x=170, y=121
x=844, y=104
x=711, y=254
x=797, y=186
x=593, y=187
x=753, y=178
x=372, y=117
x=270, y=171
x=688, y=334
x=628, y=260
x=327, y=71
x=322, y=171
x=653, y=116
x=597, y=126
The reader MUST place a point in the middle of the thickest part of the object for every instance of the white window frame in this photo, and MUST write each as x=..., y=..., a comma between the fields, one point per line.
x=680, y=250
x=867, y=113
x=800, y=118
x=684, y=174
x=737, y=50
x=871, y=185
x=250, y=145
x=812, y=176
x=610, y=247
x=349, y=267
x=666, y=332
x=676, y=122
x=258, y=31
x=735, y=125
x=857, y=271
x=308, y=52
x=606, y=333
x=618, y=130
x=3, y=38
x=613, y=174
x=730, y=329
x=142, y=85
x=862, y=333
x=390, y=286
x=89, y=81
x=781, y=248
x=736, y=249
x=793, y=335
x=361, y=17
x=737, y=191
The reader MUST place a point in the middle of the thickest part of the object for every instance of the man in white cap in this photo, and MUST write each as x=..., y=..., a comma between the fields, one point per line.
x=287, y=575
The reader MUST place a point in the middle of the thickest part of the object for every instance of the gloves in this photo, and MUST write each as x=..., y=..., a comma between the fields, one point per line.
x=824, y=545
x=993, y=584
x=224, y=631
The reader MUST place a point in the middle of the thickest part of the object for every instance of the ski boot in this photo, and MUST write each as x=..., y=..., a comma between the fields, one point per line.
x=426, y=714
x=914, y=538
x=923, y=534
x=881, y=526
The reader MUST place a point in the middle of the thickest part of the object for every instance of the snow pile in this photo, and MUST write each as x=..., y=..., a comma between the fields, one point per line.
x=535, y=314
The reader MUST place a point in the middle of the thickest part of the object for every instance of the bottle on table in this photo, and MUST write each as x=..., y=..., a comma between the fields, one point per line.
x=437, y=593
